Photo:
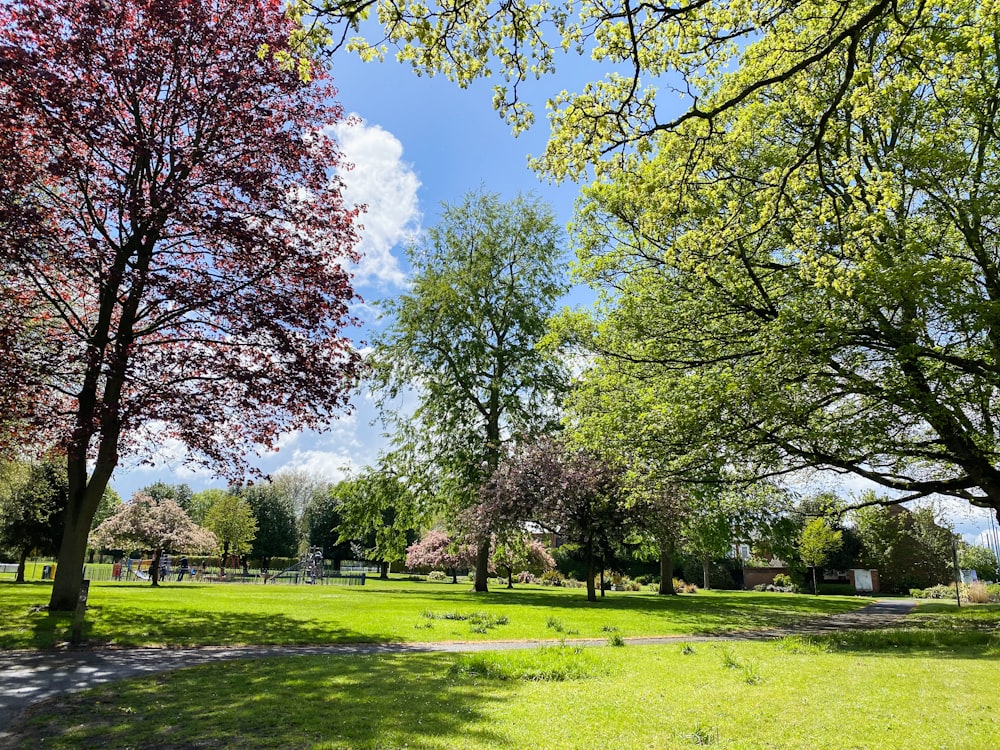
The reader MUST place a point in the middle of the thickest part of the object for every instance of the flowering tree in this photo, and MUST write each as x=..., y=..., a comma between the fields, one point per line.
x=169, y=220
x=566, y=491
x=437, y=551
x=157, y=525
x=522, y=553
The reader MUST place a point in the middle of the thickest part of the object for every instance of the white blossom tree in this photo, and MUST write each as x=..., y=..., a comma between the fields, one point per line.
x=157, y=525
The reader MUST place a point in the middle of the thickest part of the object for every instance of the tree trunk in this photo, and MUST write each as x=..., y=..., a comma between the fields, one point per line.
x=154, y=567
x=667, y=569
x=704, y=572
x=383, y=570
x=483, y=566
x=510, y=577
x=591, y=594
x=83, y=498
x=222, y=562
x=602, y=579
x=25, y=551
x=815, y=587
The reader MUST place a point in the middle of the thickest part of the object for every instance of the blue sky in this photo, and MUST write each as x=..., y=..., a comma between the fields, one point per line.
x=419, y=142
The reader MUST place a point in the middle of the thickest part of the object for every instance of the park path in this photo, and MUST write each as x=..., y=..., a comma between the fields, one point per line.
x=28, y=677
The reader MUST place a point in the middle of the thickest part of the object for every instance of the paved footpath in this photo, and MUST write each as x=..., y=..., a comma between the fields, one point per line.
x=28, y=677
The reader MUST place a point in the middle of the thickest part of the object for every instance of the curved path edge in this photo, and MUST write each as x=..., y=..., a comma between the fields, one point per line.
x=29, y=677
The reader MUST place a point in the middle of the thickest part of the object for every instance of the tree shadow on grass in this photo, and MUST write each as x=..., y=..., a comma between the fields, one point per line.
x=698, y=614
x=138, y=625
x=377, y=701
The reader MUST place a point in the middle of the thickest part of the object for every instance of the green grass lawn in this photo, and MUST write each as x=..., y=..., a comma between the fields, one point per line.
x=880, y=691
x=187, y=614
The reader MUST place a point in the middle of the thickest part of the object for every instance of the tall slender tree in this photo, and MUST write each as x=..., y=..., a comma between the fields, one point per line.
x=169, y=215
x=465, y=339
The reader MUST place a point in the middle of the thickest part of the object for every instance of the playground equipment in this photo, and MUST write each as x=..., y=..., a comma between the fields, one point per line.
x=309, y=568
x=138, y=569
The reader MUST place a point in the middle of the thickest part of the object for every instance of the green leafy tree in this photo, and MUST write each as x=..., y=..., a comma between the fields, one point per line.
x=323, y=525
x=908, y=547
x=179, y=493
x=277, y=532
x=650, y=57
x=299, y=487
x=980, y=559
x=815, y=287
x=466, y=337
x=232, y=521
x=32, y=504
x=202, y=501
x=656, y=517
x=378, y=511
x=819, y=541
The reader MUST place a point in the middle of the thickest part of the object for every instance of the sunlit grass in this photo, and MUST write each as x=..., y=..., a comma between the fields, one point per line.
x=790, y=694
x=185, y=614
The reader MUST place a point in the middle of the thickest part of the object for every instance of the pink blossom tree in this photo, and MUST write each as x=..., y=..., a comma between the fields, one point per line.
x=157, y=525
x=437, y=551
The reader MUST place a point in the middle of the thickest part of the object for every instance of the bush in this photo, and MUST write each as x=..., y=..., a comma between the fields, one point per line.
x=993, y=590
x=437, y=575
x=525, y=577
x=681, y=587
x=552, y=578
x=941, y=591
x=977, y=593
x=782, y=580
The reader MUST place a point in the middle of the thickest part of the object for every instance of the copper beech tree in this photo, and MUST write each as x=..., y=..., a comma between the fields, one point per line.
x=171, y=220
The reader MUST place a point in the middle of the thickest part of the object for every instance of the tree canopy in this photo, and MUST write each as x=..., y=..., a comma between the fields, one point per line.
x=173, y=234
x=816, y=285
x=232, y=521
x=466, y=336
x=563, y=489
x=157, y=525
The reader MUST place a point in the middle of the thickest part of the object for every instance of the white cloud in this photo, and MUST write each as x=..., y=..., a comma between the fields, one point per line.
x=385, y=183
x=332, y=465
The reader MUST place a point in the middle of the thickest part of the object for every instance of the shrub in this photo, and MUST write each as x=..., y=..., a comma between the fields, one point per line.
x=525, y=577
x=552, y=578
x=437, y=575
x=760, y=587
x=941, y=591
x=782, y=580
x=993, y=590
x=572, y=583
x=977, y=593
